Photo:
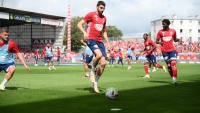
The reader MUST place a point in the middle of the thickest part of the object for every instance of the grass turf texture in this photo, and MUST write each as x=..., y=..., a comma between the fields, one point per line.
x=66, y=91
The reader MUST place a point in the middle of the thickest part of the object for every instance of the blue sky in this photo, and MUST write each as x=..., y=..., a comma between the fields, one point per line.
x=132, y=17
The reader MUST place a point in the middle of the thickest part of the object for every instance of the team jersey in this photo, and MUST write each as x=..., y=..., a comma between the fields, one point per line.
x=88, y=51
x=7, y=50
x=149, y=46
x=36, y=53
x=130, y=52
x=58, y=52
x=167, y=38
x=112, y=53
x=48, y=51
x=120, y=54
x=95, y=25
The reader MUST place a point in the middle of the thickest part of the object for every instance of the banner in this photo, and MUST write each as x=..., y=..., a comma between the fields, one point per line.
x=4, y=15
x=51, y=22
x=42, y=42
x=24, y=18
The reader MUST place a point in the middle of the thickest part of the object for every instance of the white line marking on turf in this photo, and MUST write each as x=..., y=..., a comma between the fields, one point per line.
x=115, y=109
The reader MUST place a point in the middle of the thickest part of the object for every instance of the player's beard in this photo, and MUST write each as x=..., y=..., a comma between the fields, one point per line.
x=100, y=12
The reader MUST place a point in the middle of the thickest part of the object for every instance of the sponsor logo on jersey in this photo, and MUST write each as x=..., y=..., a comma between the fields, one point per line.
x=99, y=27
x=167, y=38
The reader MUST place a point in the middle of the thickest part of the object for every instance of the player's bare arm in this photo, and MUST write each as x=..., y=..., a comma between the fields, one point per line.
x=80, y=26
x=105, y=35
x=22, y=60
x=158, y=42
x=82, y=41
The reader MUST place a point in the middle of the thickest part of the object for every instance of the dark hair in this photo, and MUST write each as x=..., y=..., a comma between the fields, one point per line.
x=101, y=3
x=146, y=34
x=166, y=21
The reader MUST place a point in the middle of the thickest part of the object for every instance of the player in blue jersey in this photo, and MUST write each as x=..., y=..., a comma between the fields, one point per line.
x=49, y=56
x=7, y=48
x=87, y=58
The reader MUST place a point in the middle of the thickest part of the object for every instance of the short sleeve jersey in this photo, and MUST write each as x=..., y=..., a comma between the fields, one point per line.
x=149, y=45
x=12, y=46
x=167, y=38
x=95, y=25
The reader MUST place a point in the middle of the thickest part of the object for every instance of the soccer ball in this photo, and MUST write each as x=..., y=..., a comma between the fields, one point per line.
x=111, y=93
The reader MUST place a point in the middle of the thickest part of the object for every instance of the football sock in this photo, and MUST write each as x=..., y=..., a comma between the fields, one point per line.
x=174, y=69
x=159, y=66
x=97, y=78
x=169, y=69
x=146, y=69
x=4, y=81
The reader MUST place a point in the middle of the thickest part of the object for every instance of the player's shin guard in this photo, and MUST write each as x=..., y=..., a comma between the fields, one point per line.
x=159, y=66
x=146, y=69
x=169, y=69
x=174, y=68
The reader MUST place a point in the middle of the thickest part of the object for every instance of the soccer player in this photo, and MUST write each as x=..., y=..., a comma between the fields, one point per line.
x=150, y=55
x=87, y=58
x=120, y=58
x=58, y=55
x=96, y=22
x=112, y=57
x=129, y=56
x=36, y=56
x=7, y=49
x=49, y=56
x=168, y=37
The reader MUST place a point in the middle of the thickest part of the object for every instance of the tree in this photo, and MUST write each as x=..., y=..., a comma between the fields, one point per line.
x=113, y=33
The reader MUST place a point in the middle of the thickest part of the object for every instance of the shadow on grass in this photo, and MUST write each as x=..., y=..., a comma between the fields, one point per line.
x=90, y=89
x=15, y=88
x=182, y=98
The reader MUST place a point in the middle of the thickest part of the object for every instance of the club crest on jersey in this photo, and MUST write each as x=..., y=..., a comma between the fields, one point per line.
x=99, y=27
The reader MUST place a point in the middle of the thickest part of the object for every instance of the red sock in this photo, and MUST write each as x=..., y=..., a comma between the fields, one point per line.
x=146, y=69
x=159, y=66
x=169, y=70
x=174, y=69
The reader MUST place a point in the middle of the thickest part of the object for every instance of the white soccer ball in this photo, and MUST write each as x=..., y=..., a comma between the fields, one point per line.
x=111, y=93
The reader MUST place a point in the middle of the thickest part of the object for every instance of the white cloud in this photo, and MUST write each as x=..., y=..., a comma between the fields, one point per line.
x=130, y=16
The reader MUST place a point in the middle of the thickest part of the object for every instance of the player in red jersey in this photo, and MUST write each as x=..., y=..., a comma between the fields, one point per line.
x=112, y=57
x=96, y=27
x=120, y=58
x=150, y=55
x=7, y=49
x=168, y=37
x=58, y=55
x=36, y=56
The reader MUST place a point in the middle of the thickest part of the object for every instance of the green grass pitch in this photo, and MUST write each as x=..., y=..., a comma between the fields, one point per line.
x=66, y=91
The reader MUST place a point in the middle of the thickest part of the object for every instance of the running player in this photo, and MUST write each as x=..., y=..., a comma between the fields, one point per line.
x=149, y=50
x=7, y=49
x=36, y=56
x=168, y=37
x=58, y=55
x=120, y=58
x=96, y=28
x=130, y=56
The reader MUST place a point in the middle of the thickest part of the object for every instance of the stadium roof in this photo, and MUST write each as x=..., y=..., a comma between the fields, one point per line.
x=5, y=22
